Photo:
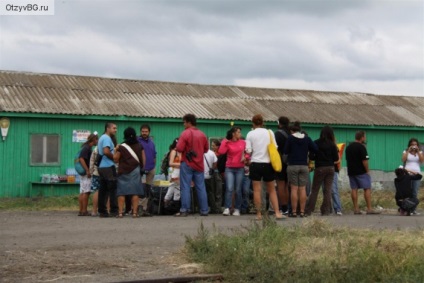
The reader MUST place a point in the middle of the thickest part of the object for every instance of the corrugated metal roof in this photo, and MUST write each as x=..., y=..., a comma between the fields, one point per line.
x=78, y=95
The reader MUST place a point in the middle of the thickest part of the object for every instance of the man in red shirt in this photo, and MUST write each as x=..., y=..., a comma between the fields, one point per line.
x=192, y=145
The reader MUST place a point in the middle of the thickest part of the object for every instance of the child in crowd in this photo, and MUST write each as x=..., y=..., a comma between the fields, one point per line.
x=404, y=194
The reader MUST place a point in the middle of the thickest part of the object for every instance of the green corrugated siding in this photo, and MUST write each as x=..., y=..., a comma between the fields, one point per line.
x=385, y=144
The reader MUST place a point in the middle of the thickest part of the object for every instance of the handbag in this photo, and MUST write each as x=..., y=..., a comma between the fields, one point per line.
x=78, y=166
x=211, y=170
x=131, y=151
x=408, y=204
x=274, y=156
x=98, y=160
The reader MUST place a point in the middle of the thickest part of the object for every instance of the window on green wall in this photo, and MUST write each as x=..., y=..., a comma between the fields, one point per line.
x=44, y=149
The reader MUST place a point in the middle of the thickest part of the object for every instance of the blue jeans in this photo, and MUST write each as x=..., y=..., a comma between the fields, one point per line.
x=415, y=188
x=246, y=193
x=337, y=205
x=234, y=181
x=187, y=174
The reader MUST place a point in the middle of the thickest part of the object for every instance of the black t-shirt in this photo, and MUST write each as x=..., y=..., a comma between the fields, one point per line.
x=355, y=154
x=326, y=155
x=280, y=139
x=86, y=154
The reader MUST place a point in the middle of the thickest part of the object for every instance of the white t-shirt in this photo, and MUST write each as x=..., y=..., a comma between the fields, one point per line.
x=257, y=142
x=211, y=158
x=412, y=162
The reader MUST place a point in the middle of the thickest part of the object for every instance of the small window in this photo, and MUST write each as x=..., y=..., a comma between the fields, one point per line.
x=44, y=149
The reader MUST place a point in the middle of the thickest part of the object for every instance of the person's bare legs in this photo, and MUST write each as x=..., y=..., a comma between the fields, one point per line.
x=354, y=196
x=85, y=197
x=367, y=197
x=283, y=193
x=134, y=205
x=294, y=198
x=257, y=198
x=80, y=203
x=95, y=202
x=273, y=198
x=302, y=198
x=121, y=202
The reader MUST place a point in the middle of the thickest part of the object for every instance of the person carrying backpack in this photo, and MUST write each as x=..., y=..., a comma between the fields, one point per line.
x=404, y=196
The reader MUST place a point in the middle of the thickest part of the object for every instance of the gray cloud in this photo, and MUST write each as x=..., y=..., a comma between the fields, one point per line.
x=330, y=45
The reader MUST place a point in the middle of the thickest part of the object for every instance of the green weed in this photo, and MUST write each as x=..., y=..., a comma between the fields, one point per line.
x=41, y=203
x=314, y=251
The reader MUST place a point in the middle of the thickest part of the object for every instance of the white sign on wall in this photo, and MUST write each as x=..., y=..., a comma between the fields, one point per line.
x=80, y=135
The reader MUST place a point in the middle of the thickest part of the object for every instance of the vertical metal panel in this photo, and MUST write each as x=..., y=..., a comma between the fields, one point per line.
x=14, y=169
x=384, y=146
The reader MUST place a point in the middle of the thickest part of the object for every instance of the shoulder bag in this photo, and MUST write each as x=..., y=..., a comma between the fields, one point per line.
x=274, y=156
x=131, y=151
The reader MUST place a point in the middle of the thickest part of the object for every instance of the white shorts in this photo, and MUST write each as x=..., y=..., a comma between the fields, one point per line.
x=85, y=184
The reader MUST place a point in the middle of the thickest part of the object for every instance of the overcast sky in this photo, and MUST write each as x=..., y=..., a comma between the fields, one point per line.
x=352, y=46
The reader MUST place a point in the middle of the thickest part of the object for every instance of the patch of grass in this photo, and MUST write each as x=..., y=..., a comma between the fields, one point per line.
x=36, y=204
x=313, y=251
x=385, y=199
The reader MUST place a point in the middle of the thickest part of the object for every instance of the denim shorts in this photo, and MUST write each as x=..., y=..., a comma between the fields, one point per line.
x=360, y=181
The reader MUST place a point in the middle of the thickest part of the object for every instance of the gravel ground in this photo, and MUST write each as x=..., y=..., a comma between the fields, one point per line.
x=61, y=247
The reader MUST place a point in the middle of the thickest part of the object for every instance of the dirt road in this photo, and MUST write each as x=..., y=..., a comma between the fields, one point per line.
x=61, y=247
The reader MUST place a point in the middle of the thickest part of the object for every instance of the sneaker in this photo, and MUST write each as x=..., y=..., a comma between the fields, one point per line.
x=339, y=213
x=236, y=212
x=415, y=213
x=285, y=212
x=226, y=212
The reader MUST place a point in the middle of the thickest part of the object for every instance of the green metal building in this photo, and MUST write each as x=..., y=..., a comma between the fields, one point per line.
x=46, y=111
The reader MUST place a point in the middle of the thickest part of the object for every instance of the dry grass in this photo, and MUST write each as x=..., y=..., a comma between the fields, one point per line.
x=313, y=251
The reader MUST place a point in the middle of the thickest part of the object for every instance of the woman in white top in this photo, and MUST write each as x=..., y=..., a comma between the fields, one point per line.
x=412, y=158
x=257, y=142
x=173, y=192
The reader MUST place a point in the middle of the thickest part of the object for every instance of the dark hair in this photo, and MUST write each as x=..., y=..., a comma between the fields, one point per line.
x=108, y=125
x=114, y=140
x=190, y=118
x=173, y=144
x=400, y=172
x=91, y=138
x=283, y=122
x=359, y=135
x=413, y=140
x=258, y=120
x=145, y=126
x=327, y=135
x=130, y=137
x=216, y=142
x=295, y=127
x=231, y=131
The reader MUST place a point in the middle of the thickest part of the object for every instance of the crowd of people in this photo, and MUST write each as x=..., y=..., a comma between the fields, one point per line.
x=233, y=171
